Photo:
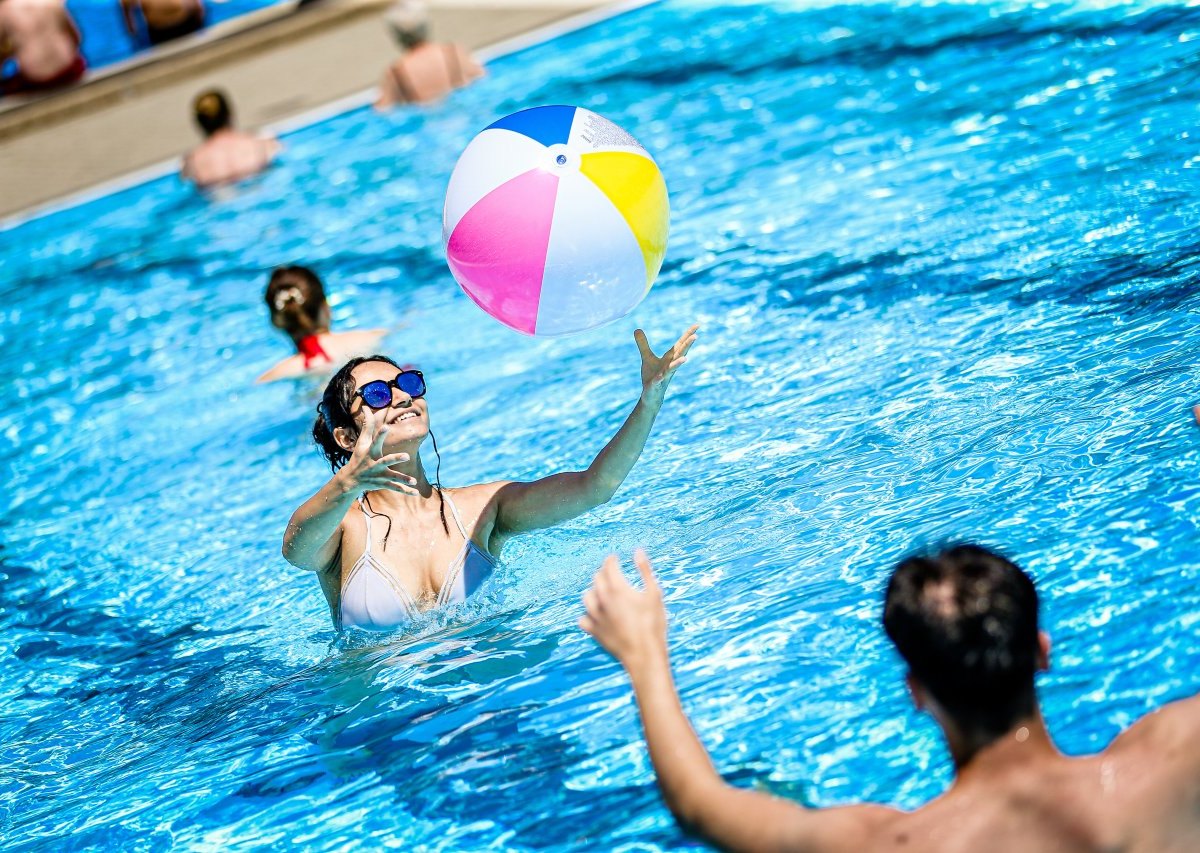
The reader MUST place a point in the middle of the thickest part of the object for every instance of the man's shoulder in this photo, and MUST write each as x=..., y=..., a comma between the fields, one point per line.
x=1170, y=725
x=1162, y=748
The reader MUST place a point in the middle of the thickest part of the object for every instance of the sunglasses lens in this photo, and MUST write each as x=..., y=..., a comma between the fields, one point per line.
x=377, y=394
x=411, y=384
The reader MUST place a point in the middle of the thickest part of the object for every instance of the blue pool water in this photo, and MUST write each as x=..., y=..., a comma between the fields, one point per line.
x=945, y=261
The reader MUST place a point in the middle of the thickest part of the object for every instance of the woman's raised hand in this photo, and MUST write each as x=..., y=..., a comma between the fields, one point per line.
x=368, y=468
x=657, y=370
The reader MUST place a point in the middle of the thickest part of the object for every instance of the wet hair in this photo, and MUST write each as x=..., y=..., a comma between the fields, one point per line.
x=965, y=620
x=297, y=302
x=212, y=111
x=334, y=411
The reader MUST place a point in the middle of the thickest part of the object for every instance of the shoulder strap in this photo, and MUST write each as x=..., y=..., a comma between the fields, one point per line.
x=366, y=517
x=454, y=512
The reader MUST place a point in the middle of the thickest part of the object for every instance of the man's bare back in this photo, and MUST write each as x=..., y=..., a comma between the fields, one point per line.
x=40, y=36
x=426, y=73
x=1024, y=796
x=227, y=156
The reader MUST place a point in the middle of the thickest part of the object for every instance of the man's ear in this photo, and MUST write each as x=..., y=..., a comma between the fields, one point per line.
x=1043, y=655
x=345, y=438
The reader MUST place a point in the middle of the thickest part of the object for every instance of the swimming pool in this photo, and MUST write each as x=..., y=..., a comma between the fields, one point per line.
x=944, y=258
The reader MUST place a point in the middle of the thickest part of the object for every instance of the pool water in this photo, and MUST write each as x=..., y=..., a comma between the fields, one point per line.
x=945, y=261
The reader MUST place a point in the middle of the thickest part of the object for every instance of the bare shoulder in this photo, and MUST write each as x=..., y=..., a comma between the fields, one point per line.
x=359, y=338
x=289, y=368
x=479, y=497
x=1179, y=720
x=1166, y=741
x=477, y=505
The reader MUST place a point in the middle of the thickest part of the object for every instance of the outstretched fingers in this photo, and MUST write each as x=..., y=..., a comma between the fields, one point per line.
x=381, y=432
x=392, y=459
x=642, y=561
x=686, y=340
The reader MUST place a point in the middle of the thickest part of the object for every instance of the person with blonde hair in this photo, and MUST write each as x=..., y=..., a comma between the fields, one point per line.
x=426, y=70
x=296, y=299
x=226, y=154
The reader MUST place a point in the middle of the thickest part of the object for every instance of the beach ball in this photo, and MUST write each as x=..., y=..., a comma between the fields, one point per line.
x=555, y=221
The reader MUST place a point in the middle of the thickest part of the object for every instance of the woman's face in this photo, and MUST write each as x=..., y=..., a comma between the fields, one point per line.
x=407, y=419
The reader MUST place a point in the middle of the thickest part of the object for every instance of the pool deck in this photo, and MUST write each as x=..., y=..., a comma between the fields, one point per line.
x=132, y=120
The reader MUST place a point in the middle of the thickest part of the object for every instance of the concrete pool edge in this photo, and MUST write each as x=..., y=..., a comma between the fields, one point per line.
x=575, y=20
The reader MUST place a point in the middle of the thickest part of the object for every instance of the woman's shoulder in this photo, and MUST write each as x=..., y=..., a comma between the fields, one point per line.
x=289, y=368
x=477, y=497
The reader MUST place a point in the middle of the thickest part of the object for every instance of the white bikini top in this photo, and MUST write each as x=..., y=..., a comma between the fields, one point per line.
x=375, y=599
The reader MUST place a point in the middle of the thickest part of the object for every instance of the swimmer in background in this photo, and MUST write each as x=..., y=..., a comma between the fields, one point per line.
x=965, y=621
x=298, y=306
x=426, y=71
x=226, y=154
x=165, y=19
x=385, y=542
x=44, y=41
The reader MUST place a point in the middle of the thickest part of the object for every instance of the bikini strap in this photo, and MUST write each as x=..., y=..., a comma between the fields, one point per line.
x=454, y=512
x=366, y=517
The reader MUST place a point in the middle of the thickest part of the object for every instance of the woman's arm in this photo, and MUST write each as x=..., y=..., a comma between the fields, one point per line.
x=543, y=503
x=313, y=536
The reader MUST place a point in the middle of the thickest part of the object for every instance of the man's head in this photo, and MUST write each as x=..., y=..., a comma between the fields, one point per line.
x=212, y=111
x=965, y=621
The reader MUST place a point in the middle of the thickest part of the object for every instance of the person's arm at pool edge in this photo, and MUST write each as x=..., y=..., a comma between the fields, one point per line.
x=631, y=625
x=311, y=540
x=127, y=7
x=521, y=507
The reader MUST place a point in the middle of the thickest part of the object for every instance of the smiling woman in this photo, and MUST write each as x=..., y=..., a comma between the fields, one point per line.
x=371, y=423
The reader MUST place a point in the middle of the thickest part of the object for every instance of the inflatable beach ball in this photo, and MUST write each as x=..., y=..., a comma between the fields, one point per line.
x=555, y=221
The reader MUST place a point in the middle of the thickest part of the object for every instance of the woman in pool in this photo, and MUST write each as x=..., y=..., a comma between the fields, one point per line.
x=377, y=533
x=298, y=306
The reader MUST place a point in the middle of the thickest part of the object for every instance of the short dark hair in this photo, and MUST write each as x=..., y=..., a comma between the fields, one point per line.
x=296, y=300
x=965, y=620
x=212, y=112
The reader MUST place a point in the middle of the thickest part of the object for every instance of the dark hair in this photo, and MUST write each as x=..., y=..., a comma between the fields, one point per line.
x=334, y=411
x=297, y=302
x=212, y=112
x=965, y=620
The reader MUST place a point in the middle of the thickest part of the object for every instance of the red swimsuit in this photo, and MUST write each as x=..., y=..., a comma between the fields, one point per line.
x=311, y=349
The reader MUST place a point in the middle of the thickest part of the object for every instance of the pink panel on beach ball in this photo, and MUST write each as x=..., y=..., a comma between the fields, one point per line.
x=497, y=252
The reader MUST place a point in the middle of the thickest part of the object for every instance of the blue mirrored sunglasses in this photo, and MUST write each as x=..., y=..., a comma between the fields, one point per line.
x=378, y=394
